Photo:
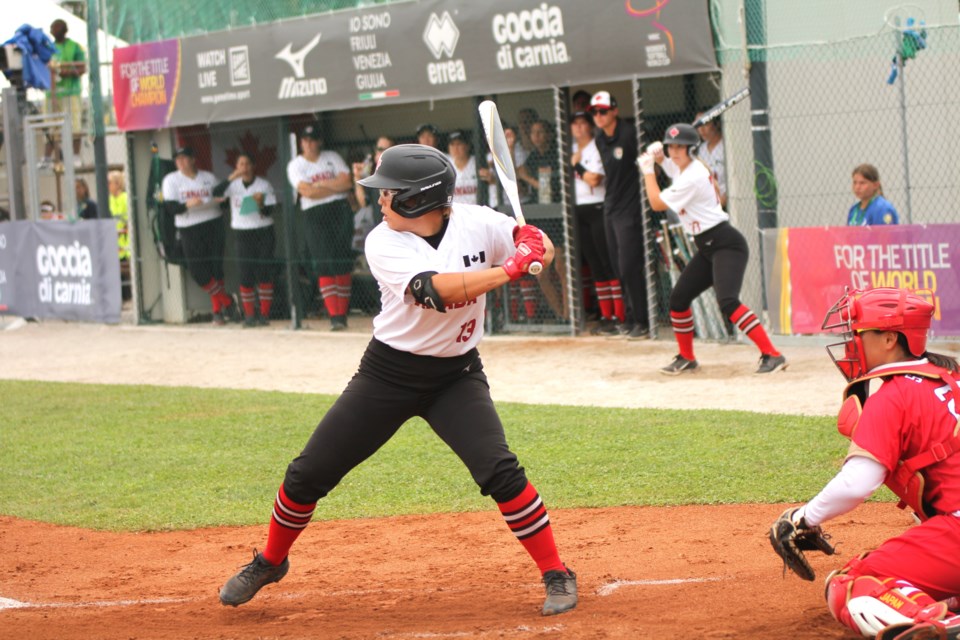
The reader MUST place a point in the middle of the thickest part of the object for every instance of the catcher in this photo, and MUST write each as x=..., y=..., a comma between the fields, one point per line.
x=905, y=435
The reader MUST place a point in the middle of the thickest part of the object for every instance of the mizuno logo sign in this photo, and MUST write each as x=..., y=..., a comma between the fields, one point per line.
x=296, y=59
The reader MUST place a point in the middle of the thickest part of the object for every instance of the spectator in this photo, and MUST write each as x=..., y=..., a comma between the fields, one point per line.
x=252, y=203
x=321, y=179
x=428, y=135
x=120, y=212
x=465, y=165
x=589, y=191
x=525, y=119
x=617, y=144
x=541, y=171
x=722, y=251
x=871, y=207
x=712, y=154
x=48, y=211
x=489, y=173
x=67, y=66
x=188, y=196
x=368, y=213
x=580, y=101
x=86, y=208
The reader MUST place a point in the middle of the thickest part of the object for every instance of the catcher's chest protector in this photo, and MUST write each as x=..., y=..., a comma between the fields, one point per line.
x=906, y=481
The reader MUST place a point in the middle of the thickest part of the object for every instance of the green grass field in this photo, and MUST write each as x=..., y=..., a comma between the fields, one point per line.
x=154, y=458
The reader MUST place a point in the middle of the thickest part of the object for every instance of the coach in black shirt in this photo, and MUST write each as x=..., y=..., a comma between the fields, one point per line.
x=617, y=143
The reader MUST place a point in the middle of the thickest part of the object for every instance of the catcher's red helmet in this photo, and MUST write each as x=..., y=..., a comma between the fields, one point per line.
x=881, y=309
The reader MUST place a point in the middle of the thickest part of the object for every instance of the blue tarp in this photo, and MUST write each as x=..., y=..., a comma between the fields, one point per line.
x=37, y=49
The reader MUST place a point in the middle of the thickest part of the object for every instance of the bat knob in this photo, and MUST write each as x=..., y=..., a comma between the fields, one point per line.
x=535, y=268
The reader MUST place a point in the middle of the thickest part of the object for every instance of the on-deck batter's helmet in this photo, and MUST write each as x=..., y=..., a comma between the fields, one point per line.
x=423, y=177
x=880, y=309
x=681, y=133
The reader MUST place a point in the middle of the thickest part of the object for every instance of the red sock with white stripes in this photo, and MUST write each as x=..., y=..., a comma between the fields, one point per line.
x=605, y=299
x=328, y=290
x=213, y=289
x=248, y=296
x=343, y=293
x=748, y=323
x=528, y=291
x=682, y=322
x=527, y=518
x=616, y=292
x=265, y=291
x=287, y=522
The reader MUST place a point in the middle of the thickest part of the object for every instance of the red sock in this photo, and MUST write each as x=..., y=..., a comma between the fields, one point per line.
x=528, y=291
x=617, y=294
x=328, y=290
x=248, y=296
x=287, y=522
x=225, y=299
x=748, y=323
x=265, y=291
x=682, y=322
x=214, y=289
x=605, y=299
x=343, y=293
x=527, y=518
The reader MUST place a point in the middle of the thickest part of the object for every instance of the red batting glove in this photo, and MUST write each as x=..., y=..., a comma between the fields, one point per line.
x=518, y=266
x=528, y=234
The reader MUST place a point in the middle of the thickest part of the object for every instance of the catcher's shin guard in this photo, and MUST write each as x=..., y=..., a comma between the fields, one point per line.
x=868, y=605
x=946, y=629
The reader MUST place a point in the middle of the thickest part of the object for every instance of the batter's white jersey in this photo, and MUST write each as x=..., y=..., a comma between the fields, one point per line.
x=178, y=187
x=476, y=238
x=465, y=190
x=327, y=167
x=591, y=161
x=244, y=211
x=693, y=196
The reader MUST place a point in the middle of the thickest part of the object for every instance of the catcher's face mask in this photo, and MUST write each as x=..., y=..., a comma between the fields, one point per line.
x=881, y=309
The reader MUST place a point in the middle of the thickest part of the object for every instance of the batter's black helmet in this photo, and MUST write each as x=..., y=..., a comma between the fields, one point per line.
x=681, y=133
x=423, y=177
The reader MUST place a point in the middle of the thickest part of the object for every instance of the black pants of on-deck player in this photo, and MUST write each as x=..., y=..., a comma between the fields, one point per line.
x=391, y=387
x=720, y=262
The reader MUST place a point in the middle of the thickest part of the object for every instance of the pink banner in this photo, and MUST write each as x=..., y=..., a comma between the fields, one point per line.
x=146, y=78
x=813, y=265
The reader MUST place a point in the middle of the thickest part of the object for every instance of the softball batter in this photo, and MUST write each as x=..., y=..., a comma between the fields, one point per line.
x=434, y=260
x=905, y=436
x=722, y=251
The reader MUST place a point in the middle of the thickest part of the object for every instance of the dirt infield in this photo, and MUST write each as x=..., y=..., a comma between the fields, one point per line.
x=691, y=572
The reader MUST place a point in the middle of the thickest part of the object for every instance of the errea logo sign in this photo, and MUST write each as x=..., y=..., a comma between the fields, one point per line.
x=441, y=35
x=300, y=86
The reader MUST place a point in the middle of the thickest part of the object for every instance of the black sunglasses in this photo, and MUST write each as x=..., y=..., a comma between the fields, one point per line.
x=601, y=112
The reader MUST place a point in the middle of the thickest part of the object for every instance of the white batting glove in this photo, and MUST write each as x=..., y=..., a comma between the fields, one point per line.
x=646, y=163
x=656, y=150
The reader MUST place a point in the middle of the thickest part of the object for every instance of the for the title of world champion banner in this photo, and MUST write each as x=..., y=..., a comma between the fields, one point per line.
x=406, y=53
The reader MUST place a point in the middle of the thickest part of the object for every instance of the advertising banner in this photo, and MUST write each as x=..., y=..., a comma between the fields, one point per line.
x=60, y=270
x=807, y=269
x=408, y=52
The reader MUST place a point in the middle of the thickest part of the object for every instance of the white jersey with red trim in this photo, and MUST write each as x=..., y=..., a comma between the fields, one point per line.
x=467, y=184
x=693, y=196
x=591, y=161
x=476, y=238
x=244, y=211
x=328, y=166
x=178, y=187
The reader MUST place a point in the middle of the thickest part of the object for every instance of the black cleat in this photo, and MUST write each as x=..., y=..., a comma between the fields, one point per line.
x=680, y=365
x=253, y=577
x=769, y=364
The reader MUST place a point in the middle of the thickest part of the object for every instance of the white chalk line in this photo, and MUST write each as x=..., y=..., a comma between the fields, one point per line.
x=9, y=603
x=557, y=628
x=609, y=588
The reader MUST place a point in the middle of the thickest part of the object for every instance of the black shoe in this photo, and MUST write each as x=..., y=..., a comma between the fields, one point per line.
x=218, y=319
x=639, y=332
x=769, y=363
x=250, y=322
x=680, y=365
x=338, y=323
x=253, y=577
x=607, y=327
x=264, y=322
x=561, y=592
x=623, y=329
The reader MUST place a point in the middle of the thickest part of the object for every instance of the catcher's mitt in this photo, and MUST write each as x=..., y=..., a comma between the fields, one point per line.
x=790, y=540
